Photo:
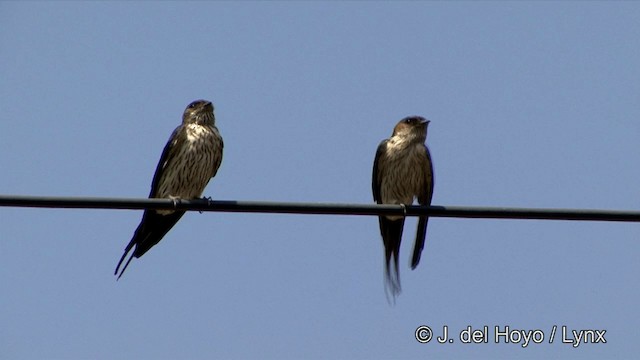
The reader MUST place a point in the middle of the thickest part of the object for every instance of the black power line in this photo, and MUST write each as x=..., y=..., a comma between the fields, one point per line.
x=319, y=208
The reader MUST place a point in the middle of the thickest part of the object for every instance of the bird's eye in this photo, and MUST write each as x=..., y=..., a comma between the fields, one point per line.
x=192, y=105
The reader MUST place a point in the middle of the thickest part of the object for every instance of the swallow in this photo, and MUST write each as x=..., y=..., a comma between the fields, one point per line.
x=191, y=157
x=402, y=171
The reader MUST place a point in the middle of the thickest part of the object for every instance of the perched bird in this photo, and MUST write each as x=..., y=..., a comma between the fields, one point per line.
x=402, y=170
x=191, y=157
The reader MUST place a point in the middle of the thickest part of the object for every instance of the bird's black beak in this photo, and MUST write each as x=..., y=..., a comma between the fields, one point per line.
x=425, y=122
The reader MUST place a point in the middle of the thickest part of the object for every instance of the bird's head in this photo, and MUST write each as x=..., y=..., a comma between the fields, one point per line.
x=412, y=127
x=199, y=112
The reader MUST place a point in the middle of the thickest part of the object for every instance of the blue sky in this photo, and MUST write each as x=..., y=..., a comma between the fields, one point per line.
x=531, y=105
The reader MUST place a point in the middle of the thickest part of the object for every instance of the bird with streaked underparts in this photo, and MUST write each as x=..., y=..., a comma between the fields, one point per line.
x=189, y=160
x=402, y=171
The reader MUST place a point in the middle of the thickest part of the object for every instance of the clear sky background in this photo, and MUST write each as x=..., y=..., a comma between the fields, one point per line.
x=532, y=105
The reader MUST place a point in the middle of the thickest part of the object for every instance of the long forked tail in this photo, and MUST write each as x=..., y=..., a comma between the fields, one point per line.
x=126, y=252
x=151, y=230
x=392, y=236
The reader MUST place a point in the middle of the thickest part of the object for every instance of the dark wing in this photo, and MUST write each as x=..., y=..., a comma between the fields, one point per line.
x=153, y=225
x=423, y=199
x=218, y=160
x=427, y=195
x=376, y=182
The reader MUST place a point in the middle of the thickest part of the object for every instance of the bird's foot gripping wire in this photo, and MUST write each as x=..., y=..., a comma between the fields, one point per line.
x=175, y=200
x=209, y=199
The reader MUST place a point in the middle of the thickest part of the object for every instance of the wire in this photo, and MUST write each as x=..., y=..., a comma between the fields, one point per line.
x=319, y=208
